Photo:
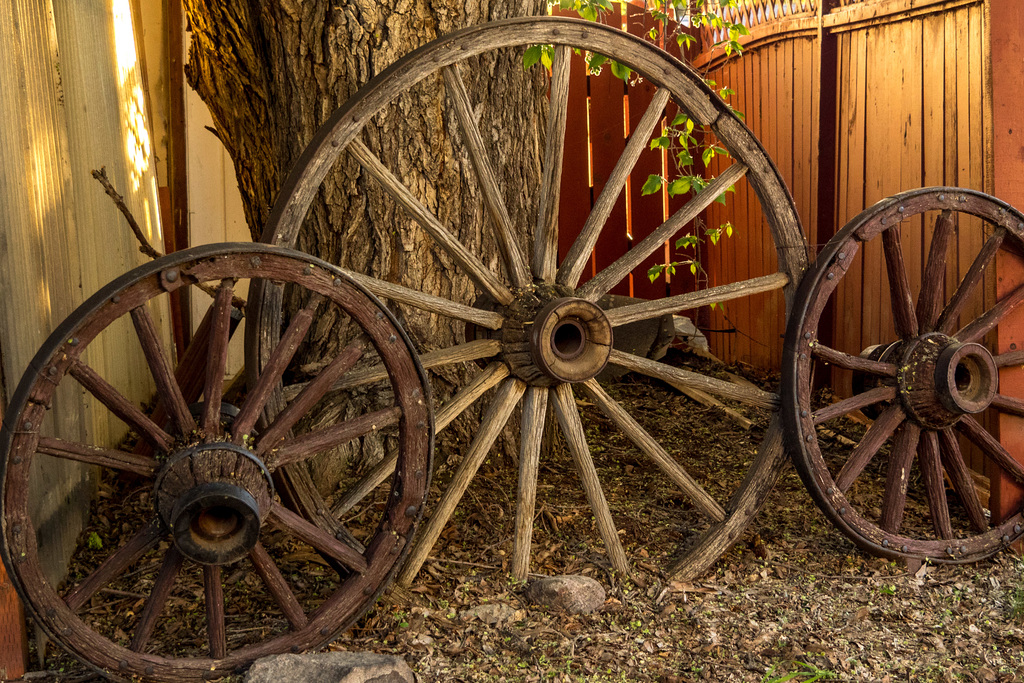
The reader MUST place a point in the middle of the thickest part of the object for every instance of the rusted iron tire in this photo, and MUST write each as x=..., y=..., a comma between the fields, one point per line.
x=209, y=472
x=536, y=290
x=930, y=388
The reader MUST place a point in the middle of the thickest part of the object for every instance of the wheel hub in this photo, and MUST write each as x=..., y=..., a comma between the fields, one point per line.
x=214, y=498
x=940, y=380
x=550, y=336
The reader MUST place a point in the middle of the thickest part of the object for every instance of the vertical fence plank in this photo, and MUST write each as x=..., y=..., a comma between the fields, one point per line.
x=1007, y=99
x=607, y=140
x=646, y=211
x=574, y=200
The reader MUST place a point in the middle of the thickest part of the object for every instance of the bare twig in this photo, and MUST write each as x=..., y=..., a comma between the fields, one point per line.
x=144, y=246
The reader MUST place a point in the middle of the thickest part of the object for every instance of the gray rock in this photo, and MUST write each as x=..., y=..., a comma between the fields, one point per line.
x=648, y=338
x=491, y=613
x=572, y=593
x=331, y=667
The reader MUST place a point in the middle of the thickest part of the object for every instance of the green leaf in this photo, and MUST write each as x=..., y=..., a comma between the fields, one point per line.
x=660, y=142
x=679, y=120
x=687, y=241
x=679, y=186
x=532, y=56
x=654, y=271
x=728, y=229
x=94, y=541
x=693, y=268
x=621, y=71
x=547, y=54
x=653, y=184
x=684, y=158
x=707, y=155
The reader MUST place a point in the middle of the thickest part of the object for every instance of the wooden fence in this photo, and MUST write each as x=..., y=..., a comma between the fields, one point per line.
x=71, y=98
x=853, y=100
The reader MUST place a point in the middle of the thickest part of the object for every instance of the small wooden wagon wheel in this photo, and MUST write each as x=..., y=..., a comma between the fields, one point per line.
x=543, y=335
x=931, y=390
x=210, y=479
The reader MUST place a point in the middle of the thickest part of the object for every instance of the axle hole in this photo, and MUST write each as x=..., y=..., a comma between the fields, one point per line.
x=569, y=339
x=963, y=376
x=216, y=523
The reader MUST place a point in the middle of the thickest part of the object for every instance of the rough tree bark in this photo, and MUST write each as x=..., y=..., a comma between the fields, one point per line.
x=272, y=71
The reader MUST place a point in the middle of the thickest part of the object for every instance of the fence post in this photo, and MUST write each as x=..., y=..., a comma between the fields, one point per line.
x=1004, y=67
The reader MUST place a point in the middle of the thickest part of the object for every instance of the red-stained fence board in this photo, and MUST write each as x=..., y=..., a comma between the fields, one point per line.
x=1007, y=46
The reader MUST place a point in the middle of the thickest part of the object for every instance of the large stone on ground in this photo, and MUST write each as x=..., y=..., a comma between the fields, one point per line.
x=647, y=338
x=570, y=592
x=331, y=667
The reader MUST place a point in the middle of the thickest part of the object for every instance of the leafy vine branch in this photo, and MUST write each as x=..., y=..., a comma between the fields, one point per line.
x=680, y=139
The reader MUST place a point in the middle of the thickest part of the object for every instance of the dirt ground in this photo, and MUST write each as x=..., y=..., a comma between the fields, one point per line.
x=794, y=600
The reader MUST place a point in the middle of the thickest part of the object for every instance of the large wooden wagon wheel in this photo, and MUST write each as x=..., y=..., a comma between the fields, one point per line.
x=210, y=479
x=931, y=390
x=540, y=332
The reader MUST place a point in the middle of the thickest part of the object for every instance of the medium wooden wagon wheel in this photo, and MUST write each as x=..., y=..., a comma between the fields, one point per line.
x=931, y=389
x=213, y=510
x=543, y=335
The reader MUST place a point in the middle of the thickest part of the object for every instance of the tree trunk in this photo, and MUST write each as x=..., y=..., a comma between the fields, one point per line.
x=272, y=71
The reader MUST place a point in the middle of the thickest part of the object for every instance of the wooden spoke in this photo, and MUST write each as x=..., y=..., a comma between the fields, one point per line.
x=864, y=451
x=93, y=455
x=519, y=273
x=988, y=320
x=473, y=267
x=278, y=587
x=1005, y=404
x=934, y=485
x=681, y=302
x=579, y=254
x=486, y=380
x=855, y=363
x=309, y=533
x=460, y=353
x=711, y=385
x=572, y=428
x=981, y=438
x=933, y=281
x=974, y=276
x=273, y=369
x=119, y=405
x=960, y=476
x=312, y=392
x=122, y=558
x=311, y=443
x=160, y=366
x=897, y=477
x=215, y=631
x=646, y=443
x=597, y=287
x=848, y=405
x=157, y=598
x=493, y=422
x=428, y=302
x=759, y=480
x=217, y=358
x=1009, y=358
x=545, y=253
x=904, y=316
x=535, y=408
